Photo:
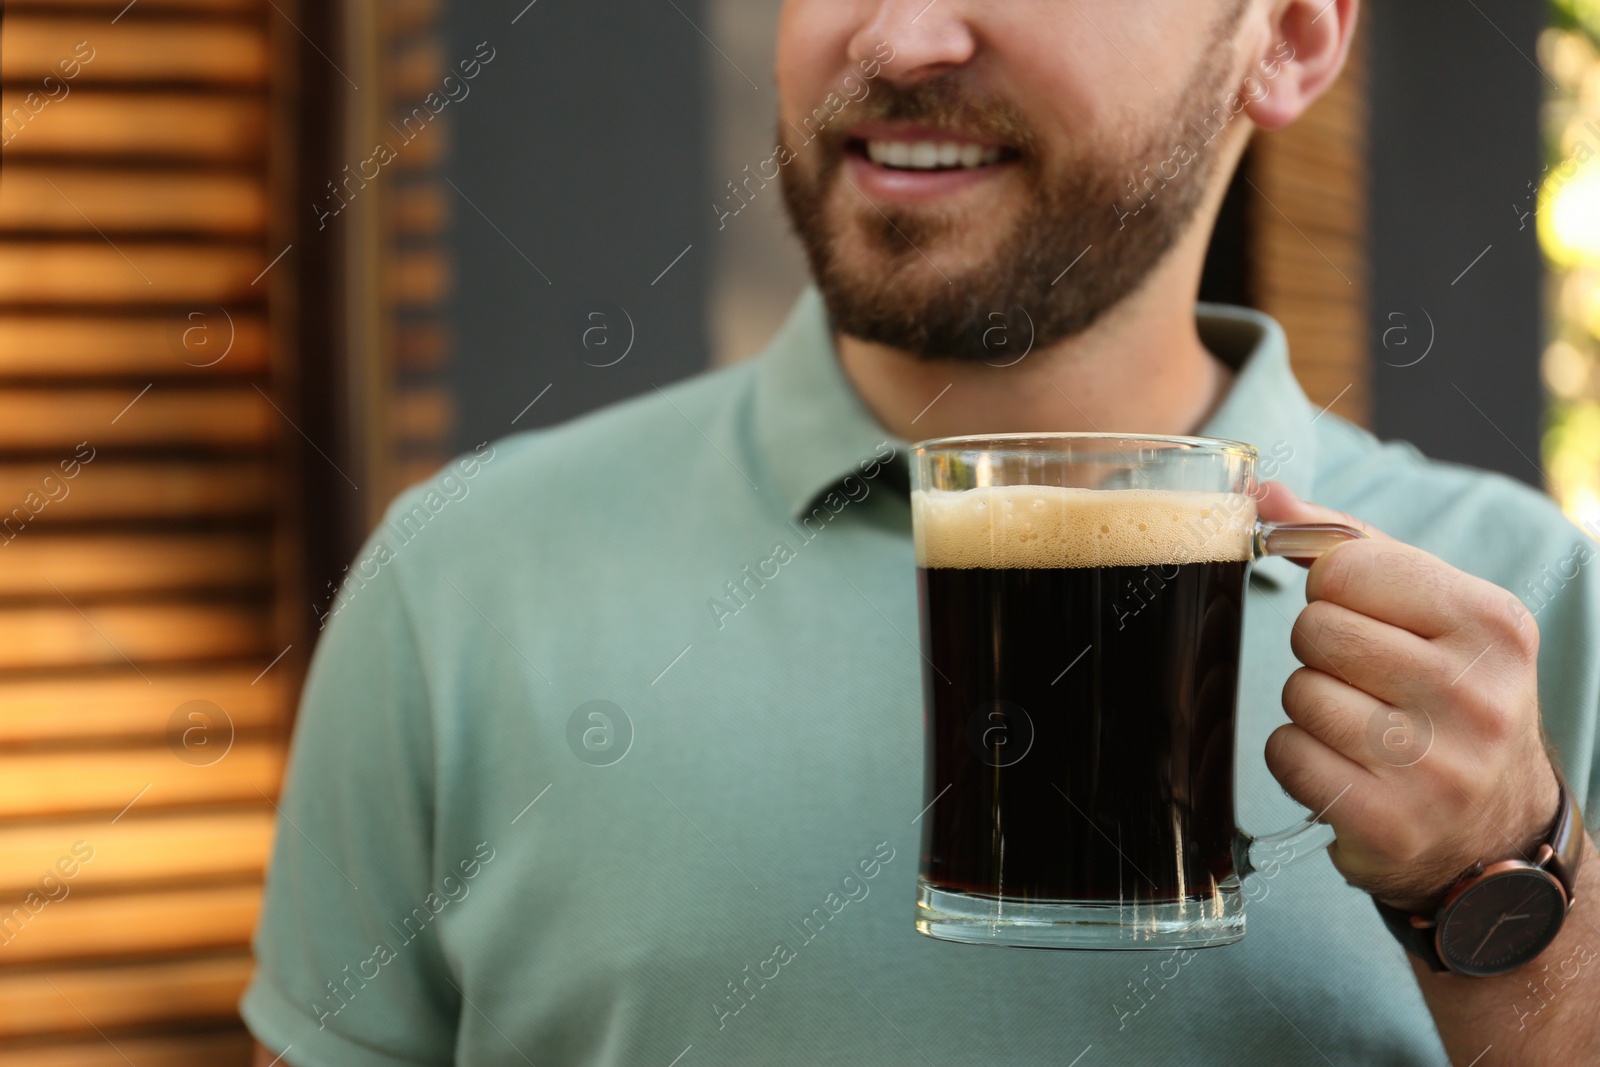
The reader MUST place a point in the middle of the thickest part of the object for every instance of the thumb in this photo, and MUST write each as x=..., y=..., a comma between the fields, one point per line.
x=1275, y=502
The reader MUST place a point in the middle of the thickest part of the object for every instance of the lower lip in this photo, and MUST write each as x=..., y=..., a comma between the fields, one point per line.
x=917, y=186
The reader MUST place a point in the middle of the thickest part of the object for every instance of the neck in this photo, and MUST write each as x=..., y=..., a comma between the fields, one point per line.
x=1141, y=369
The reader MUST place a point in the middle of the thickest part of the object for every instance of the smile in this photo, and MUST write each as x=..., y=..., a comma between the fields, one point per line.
x=932, y=155
x=906, y=164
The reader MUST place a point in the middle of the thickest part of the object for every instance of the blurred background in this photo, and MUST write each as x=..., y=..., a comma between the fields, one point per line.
x=265, y=262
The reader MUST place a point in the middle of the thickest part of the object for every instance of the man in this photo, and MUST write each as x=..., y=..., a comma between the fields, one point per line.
x=616, y=759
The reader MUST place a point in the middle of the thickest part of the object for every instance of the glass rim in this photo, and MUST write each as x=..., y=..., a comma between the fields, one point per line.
x=998, y=442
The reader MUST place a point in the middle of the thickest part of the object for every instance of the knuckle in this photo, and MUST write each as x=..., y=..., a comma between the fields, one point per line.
x=1498, y=721
x=1311, y=631
x=1477, y=710
x=1421, y=663
x=1338, y=635
x=1279, y=755
x=1297, y=689
x=1332, y=576
x=1516, y=627
x=1310, y=712
x=1312, y=703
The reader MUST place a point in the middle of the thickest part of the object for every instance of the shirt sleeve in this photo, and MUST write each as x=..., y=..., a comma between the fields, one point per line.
x=1564, y=596
x=335, y=982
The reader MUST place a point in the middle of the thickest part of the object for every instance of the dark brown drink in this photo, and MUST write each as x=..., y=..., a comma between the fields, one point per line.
x=1081, y=662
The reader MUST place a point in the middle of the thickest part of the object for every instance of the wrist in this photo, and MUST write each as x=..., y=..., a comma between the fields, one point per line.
x=1501, y=915
x=1514, y=834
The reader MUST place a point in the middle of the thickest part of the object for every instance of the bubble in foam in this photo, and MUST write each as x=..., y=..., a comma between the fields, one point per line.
x=1062, y=527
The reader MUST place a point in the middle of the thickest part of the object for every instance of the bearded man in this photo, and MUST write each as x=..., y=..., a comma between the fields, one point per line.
x=621, y=762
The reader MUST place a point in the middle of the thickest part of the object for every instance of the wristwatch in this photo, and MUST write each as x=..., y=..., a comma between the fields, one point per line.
x=1499, y=917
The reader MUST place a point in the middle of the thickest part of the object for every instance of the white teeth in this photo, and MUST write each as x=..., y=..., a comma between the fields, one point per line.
x=931, y=155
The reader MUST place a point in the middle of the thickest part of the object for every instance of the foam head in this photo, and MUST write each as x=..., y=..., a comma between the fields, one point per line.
x=1043, y=527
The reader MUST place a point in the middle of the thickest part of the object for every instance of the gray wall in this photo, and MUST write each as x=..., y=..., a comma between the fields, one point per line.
x=586, y=144
x=1455, y=105
x=758, y=266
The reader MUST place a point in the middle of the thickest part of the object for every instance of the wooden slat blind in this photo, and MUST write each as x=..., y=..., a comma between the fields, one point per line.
x=410, y=276
x=156, y=574
x=1308, y=245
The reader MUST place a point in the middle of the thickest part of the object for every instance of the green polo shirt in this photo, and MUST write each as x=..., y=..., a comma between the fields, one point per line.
x=611, y=753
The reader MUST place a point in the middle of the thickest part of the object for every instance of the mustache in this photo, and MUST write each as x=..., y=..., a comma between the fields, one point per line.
x=949, y=102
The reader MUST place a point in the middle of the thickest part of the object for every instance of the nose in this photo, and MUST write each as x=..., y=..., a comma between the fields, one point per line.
x=927, y=38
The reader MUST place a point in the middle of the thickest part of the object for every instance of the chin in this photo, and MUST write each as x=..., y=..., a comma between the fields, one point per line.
x=936, y=246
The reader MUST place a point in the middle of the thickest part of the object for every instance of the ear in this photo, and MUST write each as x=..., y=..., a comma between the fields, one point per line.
x=1308, y=43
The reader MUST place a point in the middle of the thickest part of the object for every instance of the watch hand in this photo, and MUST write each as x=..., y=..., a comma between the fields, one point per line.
x=1508, y=918
x=1487, y=936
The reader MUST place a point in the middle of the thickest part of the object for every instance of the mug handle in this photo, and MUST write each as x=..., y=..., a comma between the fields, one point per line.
x=1300, y=541
x=1252, y=854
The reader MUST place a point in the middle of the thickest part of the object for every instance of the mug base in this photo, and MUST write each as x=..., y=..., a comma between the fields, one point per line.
x=979, y=919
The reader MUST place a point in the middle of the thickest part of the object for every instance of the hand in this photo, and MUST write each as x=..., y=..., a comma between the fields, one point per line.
x=1415, y=720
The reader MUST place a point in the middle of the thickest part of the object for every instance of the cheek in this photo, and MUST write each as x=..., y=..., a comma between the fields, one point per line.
x=1085, y=88
x=813, y=52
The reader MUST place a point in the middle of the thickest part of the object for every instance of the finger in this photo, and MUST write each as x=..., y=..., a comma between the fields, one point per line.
x=1409, y=588
x=1389, y=663
x=1331, y=711
x=1371, y=732
x=1276, y=502
x=1312, y=773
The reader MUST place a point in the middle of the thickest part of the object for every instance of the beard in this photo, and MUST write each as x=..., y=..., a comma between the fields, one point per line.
x=1120, y=213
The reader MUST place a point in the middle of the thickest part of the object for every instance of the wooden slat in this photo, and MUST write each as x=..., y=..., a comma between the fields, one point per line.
x=130, y=50
x=422, y=414
x=424, y=151
x=421, y=277
x=421, y=210
x=135, y=923
x=101, y=123
x=94, y=565
x=136, y=849
x=182, y=342
x=144, y=7
x=237, y=416
x=115, y=634
x=226, y=1049
x=409, y=15
x=417, y=70
x=69, y=999
x=129, y=273
x=65, y=199
x=53, y=783
x=415, y=472
x=136, y=489
x=127, y=704
x=420, y=346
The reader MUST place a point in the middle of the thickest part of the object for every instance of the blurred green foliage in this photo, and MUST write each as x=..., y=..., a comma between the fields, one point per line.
x=1579, y=15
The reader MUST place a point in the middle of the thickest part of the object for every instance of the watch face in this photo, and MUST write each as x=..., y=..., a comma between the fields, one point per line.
x=1502, y=922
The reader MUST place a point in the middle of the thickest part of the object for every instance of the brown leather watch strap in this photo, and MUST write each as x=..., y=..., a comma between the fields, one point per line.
x=1417, y=940
x=1566, y=842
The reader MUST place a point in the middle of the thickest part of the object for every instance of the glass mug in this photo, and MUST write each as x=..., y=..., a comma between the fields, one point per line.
x=1082, y=608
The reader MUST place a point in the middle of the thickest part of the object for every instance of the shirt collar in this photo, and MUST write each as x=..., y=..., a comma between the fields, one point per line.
x=1266, y=406
x=812, y=428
